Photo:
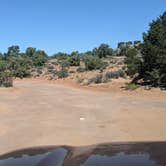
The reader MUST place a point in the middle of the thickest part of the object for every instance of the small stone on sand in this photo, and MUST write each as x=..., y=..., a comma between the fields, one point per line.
x=82, y=119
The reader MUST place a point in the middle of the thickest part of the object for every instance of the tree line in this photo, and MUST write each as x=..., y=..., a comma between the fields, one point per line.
x=145, y=61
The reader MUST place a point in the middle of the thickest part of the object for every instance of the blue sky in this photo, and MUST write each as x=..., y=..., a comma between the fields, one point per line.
x=68, y=25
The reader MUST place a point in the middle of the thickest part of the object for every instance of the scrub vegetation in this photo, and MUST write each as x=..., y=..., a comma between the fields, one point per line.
x=143, y=62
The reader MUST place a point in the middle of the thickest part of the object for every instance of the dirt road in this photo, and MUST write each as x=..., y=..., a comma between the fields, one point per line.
x=35, y=113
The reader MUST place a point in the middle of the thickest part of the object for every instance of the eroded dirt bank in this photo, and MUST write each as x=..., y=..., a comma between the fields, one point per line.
x=35, y=113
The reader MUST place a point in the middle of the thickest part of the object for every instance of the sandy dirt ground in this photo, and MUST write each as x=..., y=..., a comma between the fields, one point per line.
x=35, y=113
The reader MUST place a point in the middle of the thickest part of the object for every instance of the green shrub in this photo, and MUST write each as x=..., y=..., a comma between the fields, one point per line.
x=71, y=71
x=19, y=67
x=55, y=62
x=74, y=60
x=60, y=56
x=132, y=61
x=131, y=86
x=39, y=70
x=80, y=80
x=93, y=63
x=102, y=78
x=50, y=67
x=120, y=63
x=63, y=73
x=39, y=58
x=80, y=69
x=20, y=64
x=68, y=61
x=64, y=63
x=115, y=74
x=6, y=79
x=97, y=79
x=105, y=79
x=121, y=73
x=3, y=65
x=21, y=72
x=103, y=51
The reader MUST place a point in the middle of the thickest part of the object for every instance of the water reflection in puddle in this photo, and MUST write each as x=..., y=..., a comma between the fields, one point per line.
x=121, y=159
x=52, y=158
x=131, y=154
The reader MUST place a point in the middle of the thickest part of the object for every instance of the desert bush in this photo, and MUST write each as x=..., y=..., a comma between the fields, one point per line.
x=74, y=60
x=121, y=73
x=102, y=78
x=131, y=86
x=132, y=61
x=3, y=65
x=93, y=63
x=120, y=63
x=39, y=71
x=80, y=80
x=103, y=51
x=54, y=72
x=21, y=72
x=86, y=81
x=50, y=70
x=108, y=75
x=20, y=64
x=39, y=58
x=63, y=73
x=60, y=56
x=115, y=74
x=105, y=79
x=64, y=63
x=6, y=74
x=81, y=69
x=71, y=71
x=54, y=63
x=36, y=57
x=97, y=79
x=113, y=61
x=6, y=79
x=50, y=67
